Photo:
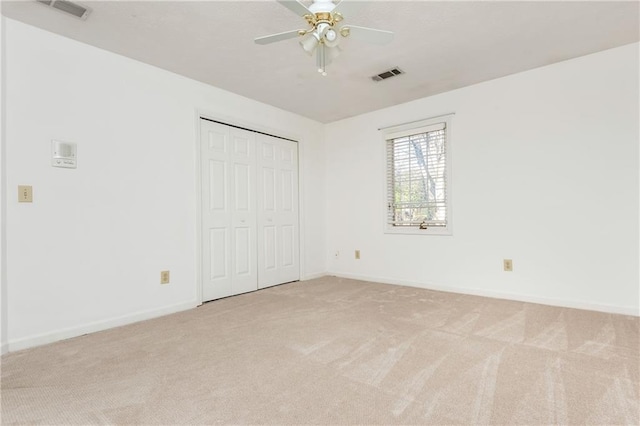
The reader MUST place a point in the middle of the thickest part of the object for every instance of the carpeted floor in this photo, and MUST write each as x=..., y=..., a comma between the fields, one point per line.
x=336, y=351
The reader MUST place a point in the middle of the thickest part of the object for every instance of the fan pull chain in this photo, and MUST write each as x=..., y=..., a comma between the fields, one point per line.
x=321, y=59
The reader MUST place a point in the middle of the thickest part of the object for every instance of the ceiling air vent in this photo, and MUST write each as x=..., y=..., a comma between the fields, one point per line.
x=68, y=7
x=387, y=74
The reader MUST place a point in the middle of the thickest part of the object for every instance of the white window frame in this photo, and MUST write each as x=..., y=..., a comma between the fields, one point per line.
x=412, y=128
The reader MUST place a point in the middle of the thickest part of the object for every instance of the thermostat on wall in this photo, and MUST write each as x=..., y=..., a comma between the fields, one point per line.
x=63, y=154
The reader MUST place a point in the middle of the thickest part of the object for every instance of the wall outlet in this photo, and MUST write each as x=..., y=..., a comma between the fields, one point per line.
x=507, y=265
x=357, y=254
x=25, y=194
x=336, y=254
x=165, y=277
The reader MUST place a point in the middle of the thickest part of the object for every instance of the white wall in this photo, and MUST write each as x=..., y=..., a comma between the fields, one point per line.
x=3, y=203
x=545, y=171
x=88, y=252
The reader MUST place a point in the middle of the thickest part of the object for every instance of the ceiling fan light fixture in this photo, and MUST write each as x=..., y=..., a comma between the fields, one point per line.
x=331, y=37
x=310, y=42
x=333, y=53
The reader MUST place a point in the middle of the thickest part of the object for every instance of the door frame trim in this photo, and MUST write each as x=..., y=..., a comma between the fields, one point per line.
x=203, y=114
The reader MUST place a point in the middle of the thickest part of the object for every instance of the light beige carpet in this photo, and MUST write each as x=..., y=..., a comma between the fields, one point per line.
x=335, y=351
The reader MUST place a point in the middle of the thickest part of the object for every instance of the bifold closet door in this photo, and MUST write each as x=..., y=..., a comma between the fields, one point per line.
x=229, y=210
x=278, y=240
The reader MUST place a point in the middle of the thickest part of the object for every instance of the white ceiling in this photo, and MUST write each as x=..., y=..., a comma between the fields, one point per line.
x=440, y=45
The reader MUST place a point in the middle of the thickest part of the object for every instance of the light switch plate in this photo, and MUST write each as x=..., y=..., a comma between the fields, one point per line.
x=25, y=194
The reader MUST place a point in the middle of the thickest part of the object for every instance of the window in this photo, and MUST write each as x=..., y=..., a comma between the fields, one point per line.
x=418, y=190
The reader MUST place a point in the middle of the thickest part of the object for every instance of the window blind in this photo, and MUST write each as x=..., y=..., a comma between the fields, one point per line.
x=417, y=177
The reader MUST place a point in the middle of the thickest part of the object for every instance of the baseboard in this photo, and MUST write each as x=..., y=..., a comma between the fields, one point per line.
x=575, y=304
x=308, y=277
x=4, y=348
x=67, y=333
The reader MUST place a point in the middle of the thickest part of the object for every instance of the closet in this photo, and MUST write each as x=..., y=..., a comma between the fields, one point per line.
x=250, y=231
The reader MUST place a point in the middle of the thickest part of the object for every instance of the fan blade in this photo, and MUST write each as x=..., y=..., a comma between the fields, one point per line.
x=370, y=35
x=296, y=7
x=348, y=8
x=277, y=37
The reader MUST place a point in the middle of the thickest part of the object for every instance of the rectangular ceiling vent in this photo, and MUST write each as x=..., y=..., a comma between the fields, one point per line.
x=387, y=74
x=71, y=8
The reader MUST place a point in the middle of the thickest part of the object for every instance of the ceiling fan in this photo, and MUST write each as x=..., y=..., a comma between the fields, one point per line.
x=325, y=19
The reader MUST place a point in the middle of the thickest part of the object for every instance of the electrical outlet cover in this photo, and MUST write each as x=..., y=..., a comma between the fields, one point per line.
x=507, y=265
